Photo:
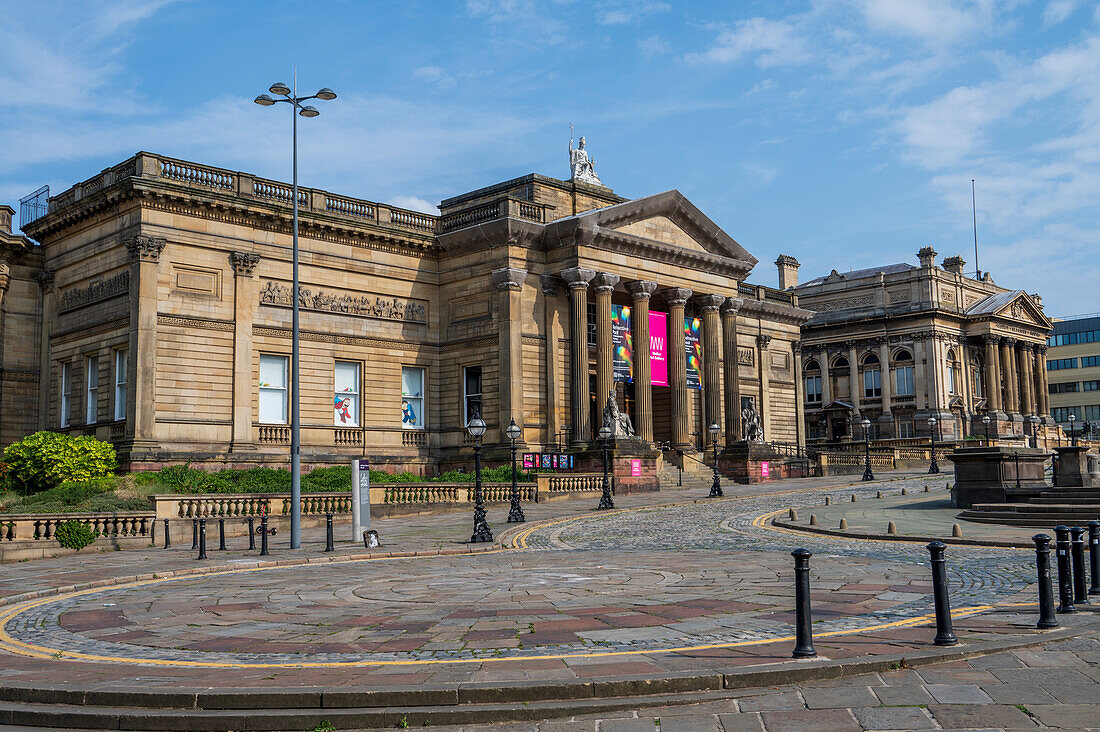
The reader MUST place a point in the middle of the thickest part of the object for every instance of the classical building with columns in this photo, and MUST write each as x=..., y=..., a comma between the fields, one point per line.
x=155, y=312
x=903, y=343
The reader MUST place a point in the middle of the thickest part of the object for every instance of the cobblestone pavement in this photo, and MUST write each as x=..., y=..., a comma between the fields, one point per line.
x=1053, y=686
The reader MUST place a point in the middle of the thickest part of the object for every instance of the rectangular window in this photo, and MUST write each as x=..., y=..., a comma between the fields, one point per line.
x=91, y=403
x=120, y=384
x=471, y=393
x=1093, y=385
x=872, y=383
x=273, y=383
x=1060, y=414
x=1061, y=363
x=903, y=380
x=953, y=380
x=1089, y=362
x=345, y=402
x=1091, y=412
x=413, y=416
x=66, y=393
x=905, y=428
x=1069, y=387
x=813, y=389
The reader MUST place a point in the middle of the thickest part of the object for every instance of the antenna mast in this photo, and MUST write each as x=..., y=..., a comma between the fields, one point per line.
x=974, y=209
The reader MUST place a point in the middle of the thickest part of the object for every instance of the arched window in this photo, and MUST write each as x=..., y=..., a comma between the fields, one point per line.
x=812, y=377
x=954, y=372
x=872, y=377
x=840, y=363
x=839, y=379
x=870, y=360
x=903, y=373
x=977, y=380
x=903, y=355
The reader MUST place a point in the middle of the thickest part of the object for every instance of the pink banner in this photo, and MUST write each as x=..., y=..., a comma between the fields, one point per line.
x=658, y=348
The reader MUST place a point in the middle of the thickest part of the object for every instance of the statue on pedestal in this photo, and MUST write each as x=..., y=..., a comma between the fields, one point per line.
x=619, y=423
x=750, y=425
x=582, y=168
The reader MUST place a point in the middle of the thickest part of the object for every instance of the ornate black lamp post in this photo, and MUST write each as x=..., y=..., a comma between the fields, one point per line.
x=716, y=486
x=933, y=467
x=1034, y=422
x=1072, y=434
x=605, y=441
x=482, y=533
x=867, y=473
x=515, y=513
x=985, y=421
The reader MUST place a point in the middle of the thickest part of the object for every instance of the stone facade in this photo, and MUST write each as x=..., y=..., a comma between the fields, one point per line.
x=157, y=312
x=900, y=344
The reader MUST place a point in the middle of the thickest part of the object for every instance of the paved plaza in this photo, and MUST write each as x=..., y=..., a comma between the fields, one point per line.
x=672, y=591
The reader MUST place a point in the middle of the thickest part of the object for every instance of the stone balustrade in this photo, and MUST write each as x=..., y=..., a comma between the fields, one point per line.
x=42, y=527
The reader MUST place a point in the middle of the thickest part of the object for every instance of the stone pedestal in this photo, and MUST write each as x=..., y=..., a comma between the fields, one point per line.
x=1094, y=469
x=989, y=474
x=632, y=463
x=758, y=462
x=1071, y=469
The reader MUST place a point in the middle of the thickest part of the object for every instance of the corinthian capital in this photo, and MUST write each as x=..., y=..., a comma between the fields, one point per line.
x=144, y=248
x=244, y=263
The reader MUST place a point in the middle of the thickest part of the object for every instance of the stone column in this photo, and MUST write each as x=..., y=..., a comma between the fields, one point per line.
x=551, y=286
x=826, y=387
x=641, y=291
x=1008, y=363
x=763, y=341
x=577, y=280
x=886, y=419
x=245, y=302
x=509, y=284
x=968, y=392
x=1041, y=380
x=141, y=398
x=1027, y=379
x=46, y=385
x=731, y=373
x=920, y=379
x=855, y=388
x=799, y=396
x=712, y=338
x=677, y=297
x=604, y=283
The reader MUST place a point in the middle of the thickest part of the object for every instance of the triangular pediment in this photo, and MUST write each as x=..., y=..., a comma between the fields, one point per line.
x=663, y=229
x=1015, y=305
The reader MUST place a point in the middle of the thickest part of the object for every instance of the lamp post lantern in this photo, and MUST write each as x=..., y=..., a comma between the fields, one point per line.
x=1034, y=422
x=933, y=467
x=297, y=108
x=716, y=485
x=605, y=499
x=482, y=533
x=515, y=513
x=985, y=421
x=867, y=473
x=1072, y=434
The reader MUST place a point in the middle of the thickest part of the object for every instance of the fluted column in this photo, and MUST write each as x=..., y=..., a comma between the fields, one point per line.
x=799, y=395
x=45, y=360
x=604, y=283
x=1008, y=363
x=855, y=388
x=887, y=385
x=730, y=373
x=641, y=291
x=577, y=280
x=1027, y=379
x=245, y=302
x=1041, y=380
x=551, y=286
x=141, y=398
x=712, y=339
x=676, y=298
x=826, y=387
x=763, y=363
x=509, y=285
x=992, y=375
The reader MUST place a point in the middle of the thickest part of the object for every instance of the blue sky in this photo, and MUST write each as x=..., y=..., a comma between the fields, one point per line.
x=844, y=133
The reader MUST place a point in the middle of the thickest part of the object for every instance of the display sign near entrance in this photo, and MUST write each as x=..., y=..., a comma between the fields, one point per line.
x=765, y=469
x=360, y=498
x=693, y=351
x=658, y=348
x=635, y=468
x=622, y=343
x=547, y=461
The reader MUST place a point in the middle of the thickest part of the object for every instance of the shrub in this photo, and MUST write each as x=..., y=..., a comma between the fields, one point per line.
x=47, y=459
x=75, y=535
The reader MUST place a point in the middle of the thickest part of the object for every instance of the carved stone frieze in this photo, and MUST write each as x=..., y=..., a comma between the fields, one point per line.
x=746, y=357
x=368, y=306
x=846, y=304
x=144, y=248
x=78, y=297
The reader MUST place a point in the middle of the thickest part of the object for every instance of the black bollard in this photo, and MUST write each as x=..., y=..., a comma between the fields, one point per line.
x=328, y=533
x=804, y=634
x=1077, y=547
x=167, y=535
x=202, y=539
x=1065, y=579
x=945, y=635
x=251, y=533
x=263, y=535
x=1094, y=557
x=194, y=534
x=221, y=534
x=1047, y=618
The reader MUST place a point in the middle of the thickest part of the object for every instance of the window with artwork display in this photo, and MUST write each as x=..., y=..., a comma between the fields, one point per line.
x=412, y=398
x=345, y=401
x=120, y=384
x=273, y=381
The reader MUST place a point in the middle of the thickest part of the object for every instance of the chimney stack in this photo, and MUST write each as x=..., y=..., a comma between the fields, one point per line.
x=788, y=271
x=954, y=265
x=927, y=257
x=6, y=213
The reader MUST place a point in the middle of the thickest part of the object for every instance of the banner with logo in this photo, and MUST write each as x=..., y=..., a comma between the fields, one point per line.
x=693, y=351
x=622, y=343
x=658, y=348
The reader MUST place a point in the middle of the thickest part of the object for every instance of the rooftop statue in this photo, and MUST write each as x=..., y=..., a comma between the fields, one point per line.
x=582, y=167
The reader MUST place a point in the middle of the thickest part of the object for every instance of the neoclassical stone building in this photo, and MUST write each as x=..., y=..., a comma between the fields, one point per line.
x=155, y=313
x=902, y=343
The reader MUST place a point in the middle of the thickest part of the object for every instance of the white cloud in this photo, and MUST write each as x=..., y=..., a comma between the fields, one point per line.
x=653, y=46
x=414, y=203
x=434, y=75
x=622, y=12
x=769, y=42
x=1057, y=11
x=936, y=22
x=524, y=21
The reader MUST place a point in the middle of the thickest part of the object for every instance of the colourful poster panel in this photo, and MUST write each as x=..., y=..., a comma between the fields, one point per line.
x=693, y=351
x=622, y=343
x=658, y=348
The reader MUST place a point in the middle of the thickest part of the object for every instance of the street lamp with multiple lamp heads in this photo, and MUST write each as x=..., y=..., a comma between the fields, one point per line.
x=515, y=513
x=867, y=473
x=285, y=94
x=605, y=439
x=482, y=533
x=716, y=485
x=933, y=467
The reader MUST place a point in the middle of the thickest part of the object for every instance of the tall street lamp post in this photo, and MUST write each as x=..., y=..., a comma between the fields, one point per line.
x=985, y=421
x=291, y=97
x=1034, y=422
x=1072, y=434
x=716, y=485
x=605, y=439
x=867, y=473
x=515, y=513
x=933, y=467
x=482, y=533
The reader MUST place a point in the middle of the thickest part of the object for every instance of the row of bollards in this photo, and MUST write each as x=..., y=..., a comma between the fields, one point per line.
x=198, y=535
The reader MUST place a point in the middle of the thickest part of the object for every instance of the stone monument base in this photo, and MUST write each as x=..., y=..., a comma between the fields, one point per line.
x=631, y=462
x=759, y=462
x=989, y=474
x=1071, y=469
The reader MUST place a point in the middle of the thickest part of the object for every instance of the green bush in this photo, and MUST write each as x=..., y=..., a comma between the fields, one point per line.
x=75, y=535
x=47, y=459
x=96, y=495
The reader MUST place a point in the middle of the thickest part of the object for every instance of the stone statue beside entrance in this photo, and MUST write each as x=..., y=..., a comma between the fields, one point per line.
x=750, y=425
x=582, y=167
x=619, y=423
